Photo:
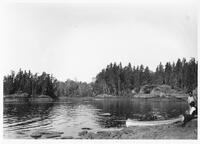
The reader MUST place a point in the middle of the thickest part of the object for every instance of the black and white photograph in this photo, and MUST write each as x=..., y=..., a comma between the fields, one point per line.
x=100, y=70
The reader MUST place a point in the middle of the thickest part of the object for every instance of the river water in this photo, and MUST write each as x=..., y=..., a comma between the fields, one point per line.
x=71, y=116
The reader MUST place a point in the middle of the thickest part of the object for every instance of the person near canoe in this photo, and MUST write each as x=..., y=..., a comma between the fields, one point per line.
x=190, y=99
x=191, y=114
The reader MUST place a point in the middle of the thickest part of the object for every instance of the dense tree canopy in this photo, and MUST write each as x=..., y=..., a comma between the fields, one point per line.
x=44, y=84
x=120, y=81
x=72, y=88
x=114, y=79
x=29, y=83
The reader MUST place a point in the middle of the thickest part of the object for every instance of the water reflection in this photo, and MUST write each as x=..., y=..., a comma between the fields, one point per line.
x=20, y=119
x=71, y=115
x=121, y=109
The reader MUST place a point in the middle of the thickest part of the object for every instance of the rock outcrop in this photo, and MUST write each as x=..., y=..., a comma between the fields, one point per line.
x=148, y=91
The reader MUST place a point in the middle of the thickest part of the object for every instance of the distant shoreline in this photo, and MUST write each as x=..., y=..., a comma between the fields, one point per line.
x=44, y=98
x=147, y=96
x=24, y=97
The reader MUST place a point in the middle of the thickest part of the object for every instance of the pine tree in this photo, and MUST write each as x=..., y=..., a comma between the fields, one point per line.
x=168, y=73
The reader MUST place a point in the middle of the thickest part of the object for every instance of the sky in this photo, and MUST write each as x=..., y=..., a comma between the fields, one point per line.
x=77, y=40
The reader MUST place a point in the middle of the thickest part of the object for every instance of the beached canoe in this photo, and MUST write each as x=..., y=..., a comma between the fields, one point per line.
x=130, y=122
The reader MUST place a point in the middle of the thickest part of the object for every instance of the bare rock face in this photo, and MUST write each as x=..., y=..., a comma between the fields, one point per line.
x=160, y=91
x=146, y=89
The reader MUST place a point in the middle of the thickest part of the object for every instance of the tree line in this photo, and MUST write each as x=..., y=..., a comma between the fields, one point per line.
x=72, y=88
x=32, y=84
x=44, y=84
x=118, y=80
x=114, y=79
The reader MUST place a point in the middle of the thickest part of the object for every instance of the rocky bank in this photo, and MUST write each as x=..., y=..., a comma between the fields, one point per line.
x=169, y=131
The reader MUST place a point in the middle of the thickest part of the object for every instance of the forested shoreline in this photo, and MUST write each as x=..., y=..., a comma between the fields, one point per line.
x=32, y=84
x=114, y=80
x=119, y=80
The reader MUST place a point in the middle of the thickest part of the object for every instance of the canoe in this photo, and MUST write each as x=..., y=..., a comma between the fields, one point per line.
x=130, y=122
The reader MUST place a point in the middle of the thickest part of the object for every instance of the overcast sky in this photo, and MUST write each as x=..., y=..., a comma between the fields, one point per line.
x=79, y=40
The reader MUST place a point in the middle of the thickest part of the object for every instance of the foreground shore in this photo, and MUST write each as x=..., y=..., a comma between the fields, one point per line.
x=169, y=131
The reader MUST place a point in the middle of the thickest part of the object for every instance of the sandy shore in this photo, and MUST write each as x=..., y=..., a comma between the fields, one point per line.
x=170, y=131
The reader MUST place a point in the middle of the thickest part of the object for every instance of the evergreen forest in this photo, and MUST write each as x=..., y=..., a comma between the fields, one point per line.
x=115, y=79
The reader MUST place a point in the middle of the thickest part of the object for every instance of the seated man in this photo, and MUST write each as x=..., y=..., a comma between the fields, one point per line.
x=191, y=115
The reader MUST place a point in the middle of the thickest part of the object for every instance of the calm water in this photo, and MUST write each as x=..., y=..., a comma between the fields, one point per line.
x=70, y=116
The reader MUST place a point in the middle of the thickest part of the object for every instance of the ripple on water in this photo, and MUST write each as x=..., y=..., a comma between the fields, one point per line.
x=72, y=117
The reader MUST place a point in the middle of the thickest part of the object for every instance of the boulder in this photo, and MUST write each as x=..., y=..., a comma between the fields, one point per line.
x=124, y=136
x=67, y=137
x=36, y=135
x=113, y=134
x=82, y=133
x=91, y=135
x=45, y=134
x=103, y=133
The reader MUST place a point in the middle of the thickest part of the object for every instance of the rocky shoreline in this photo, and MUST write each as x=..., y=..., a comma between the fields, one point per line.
x=168, y=131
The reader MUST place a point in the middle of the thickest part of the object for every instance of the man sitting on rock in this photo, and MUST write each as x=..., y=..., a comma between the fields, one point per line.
x=192, y=113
